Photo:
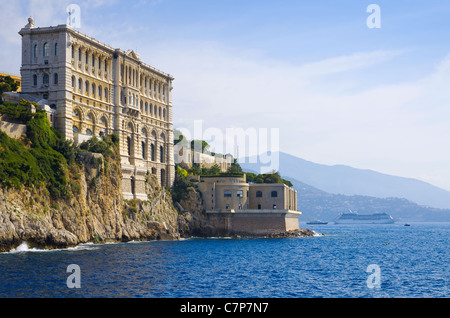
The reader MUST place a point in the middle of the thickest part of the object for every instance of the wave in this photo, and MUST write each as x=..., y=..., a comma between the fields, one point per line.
x=25, y=248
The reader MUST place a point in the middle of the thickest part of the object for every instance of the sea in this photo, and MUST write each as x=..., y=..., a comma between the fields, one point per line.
x=341, y=261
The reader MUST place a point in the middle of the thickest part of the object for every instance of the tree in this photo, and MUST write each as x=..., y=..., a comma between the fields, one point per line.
x=197, y=144
x=234, y=168
x=7, y=84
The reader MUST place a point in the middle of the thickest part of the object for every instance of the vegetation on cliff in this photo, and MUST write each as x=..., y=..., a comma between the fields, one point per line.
x=55, y=195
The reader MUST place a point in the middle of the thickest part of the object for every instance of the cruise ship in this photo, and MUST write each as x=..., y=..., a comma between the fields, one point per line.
x=355, y=218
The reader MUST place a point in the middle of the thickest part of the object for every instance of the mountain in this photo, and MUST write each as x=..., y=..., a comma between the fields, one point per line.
x=345, y=180
x=318, y=204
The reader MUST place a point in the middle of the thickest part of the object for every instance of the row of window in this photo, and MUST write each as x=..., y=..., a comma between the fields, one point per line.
x=240, y=193
x=144, y=150
x=90, y=89
x=45, y=79
x=93, y=59
x=45, y=50
x=274, y=206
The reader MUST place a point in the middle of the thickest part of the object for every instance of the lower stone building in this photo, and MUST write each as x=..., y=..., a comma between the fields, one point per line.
x=246, y=208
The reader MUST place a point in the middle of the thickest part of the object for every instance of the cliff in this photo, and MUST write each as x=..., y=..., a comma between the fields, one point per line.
x=97, y=213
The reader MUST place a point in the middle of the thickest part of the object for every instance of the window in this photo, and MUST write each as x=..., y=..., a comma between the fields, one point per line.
x=45, y=79
x=227, y=194
x=274, y=194
x=129, y=145
x=274, y=206
x=79, y=54
x=75, y=129
x=35, y=52
x=35, y=80
x=161, y=154
x=73, y=81
x=55, y=79
x=73, y=52
x=88, y=132
x=228, y=206
x=259, y=206
x=259, y=194
x=240, y=193
x=56, y=49
x=144, y=150
x=46, y=49
x=152, y=152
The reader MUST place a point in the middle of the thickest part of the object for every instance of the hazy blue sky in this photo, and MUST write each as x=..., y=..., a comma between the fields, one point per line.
x=339, y=92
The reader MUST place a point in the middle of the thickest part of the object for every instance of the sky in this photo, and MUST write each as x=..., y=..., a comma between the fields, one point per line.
x=335, y=90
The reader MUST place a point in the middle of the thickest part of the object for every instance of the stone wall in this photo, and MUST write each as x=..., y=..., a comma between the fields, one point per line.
x=13, y=130
x=251, y=222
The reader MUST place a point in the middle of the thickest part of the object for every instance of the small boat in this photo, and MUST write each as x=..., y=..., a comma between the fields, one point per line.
x=406, y=224
x=316, y=222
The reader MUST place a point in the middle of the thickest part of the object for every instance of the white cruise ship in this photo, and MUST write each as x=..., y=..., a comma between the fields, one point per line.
x=355, y=218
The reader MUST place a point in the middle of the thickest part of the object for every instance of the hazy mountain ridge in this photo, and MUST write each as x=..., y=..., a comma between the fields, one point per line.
x=325, y=191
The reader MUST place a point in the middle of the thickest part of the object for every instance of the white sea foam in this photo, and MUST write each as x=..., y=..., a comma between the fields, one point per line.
x=24, y=248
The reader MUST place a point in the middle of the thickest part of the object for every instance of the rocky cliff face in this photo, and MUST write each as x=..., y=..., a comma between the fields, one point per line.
x=96, y=213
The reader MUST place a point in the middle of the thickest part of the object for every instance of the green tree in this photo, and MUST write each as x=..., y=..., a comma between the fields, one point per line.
x=197, y=144
x=7, y=84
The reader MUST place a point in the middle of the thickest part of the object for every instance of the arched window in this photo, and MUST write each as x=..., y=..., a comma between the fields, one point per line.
x=73, y=81
x=46, y=49
x=259, y=194
x=88, y=132
x=56, y=49
x=45, y=79
x=93, y=90
x=79, y=54
x=75, y=129
x=106, y=94
x=274, y=194
x=164, y=114
x=73, y=52
x=86, y=87
x=100, y=92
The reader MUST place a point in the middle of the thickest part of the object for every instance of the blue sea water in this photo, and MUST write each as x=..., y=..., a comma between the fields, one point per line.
x=412, y=261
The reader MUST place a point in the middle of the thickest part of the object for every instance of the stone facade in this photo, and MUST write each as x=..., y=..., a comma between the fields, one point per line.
x=97, y=90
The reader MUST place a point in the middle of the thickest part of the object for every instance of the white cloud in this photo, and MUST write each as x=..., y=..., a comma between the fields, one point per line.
x=392, y=128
